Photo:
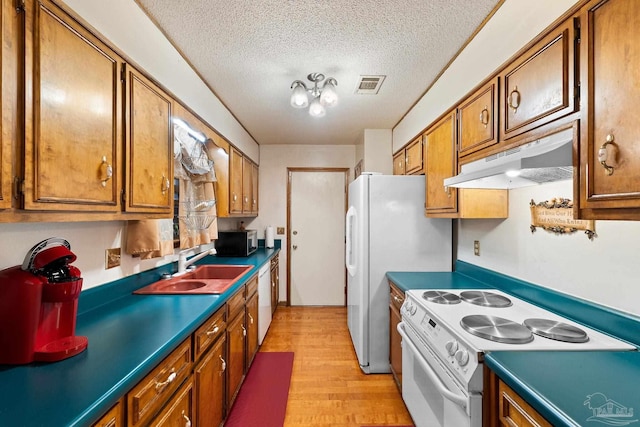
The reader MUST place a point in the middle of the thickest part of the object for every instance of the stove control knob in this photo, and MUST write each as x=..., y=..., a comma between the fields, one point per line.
x=451, y=347
x=462, y=356
x=414, y=309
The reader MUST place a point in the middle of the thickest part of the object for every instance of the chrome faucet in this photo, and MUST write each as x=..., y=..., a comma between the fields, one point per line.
x=183, y=263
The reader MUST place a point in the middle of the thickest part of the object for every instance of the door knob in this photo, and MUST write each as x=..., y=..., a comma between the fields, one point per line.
x=295, y=247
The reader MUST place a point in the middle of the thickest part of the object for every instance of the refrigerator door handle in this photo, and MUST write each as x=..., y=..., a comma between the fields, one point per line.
x=350, y=259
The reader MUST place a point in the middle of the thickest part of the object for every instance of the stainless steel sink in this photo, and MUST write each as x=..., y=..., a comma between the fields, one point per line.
x=205, y=279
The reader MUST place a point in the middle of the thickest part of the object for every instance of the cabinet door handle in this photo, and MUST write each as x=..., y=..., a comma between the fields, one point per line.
x=172, y=376
x=187, y=422
x=213, y=331
x=514, y=99
x=602, y=155
x=223, y=365
x=244, y=330
x=235, y=197
x=250, y=318
x=108, y=171
x=165, y=184
x=484, y=116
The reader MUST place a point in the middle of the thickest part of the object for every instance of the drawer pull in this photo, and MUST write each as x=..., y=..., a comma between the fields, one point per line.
x=213, y=331
x=484, y=116
x=172, y=376
x=187, y=420
x=223, y=365
x=514, y=100
x=398, y=300
x=602, y=155
x=250, y=318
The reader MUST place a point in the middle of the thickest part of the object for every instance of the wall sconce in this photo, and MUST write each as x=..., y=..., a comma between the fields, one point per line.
x=324, y=96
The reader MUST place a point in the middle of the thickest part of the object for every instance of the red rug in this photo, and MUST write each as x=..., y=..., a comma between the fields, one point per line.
x=262, y=400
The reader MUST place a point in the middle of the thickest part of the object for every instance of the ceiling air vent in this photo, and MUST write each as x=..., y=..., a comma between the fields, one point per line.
x=369, y=85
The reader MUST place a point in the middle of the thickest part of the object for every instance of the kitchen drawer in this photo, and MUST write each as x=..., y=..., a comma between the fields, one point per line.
x=235, y=304
x=252, y=286
x=396, y=296
x=208, y=333
x=150, y=394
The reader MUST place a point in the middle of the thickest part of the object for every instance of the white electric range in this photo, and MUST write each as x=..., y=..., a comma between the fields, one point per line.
x=446, y=333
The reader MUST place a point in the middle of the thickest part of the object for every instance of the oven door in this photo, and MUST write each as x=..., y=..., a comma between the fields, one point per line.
x=431, y=395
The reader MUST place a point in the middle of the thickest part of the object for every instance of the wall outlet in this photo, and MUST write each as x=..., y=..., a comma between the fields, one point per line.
x=112, y=258
x=280, y=230
x=476, y=247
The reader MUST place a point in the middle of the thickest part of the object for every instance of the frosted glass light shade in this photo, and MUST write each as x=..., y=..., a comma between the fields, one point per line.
x=329, y=96
x=316, y=109
x=299, y=97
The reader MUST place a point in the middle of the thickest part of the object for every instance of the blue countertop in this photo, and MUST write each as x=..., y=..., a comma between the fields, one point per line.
x=128, y=336
x=555, y=383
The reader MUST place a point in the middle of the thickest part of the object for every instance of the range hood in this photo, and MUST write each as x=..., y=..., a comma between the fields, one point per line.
x=546, y=159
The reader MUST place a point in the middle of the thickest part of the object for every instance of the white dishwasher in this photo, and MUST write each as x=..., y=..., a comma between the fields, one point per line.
x=264, y=301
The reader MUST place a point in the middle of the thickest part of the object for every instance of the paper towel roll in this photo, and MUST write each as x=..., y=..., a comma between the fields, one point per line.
x=268, y=237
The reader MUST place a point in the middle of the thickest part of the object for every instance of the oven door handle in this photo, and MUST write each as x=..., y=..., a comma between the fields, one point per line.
x=458, y=399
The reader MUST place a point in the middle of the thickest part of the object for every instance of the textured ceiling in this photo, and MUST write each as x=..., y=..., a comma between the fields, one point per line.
x=249, y=52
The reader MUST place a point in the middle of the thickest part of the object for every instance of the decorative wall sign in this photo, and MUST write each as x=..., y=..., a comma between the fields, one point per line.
x=357, y=170
x=556, y=216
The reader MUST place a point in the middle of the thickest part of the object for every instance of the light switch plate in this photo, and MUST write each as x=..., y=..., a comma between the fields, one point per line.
x=112, y=258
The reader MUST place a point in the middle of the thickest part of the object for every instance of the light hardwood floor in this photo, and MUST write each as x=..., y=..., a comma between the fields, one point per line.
x=327, y=386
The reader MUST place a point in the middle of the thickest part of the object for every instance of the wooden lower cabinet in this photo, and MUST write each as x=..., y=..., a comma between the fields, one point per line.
x=113, y=418
x=198, y=382
x=396, y=298
x=252, y=328
x=236, y=334
x=503, y=407
x=151, y=394
x=180, y=410
x=209, y=378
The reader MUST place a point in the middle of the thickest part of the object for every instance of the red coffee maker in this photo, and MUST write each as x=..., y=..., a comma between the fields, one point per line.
x=38, y=306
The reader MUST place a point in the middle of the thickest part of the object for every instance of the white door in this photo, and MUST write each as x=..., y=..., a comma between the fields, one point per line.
x=316, y=237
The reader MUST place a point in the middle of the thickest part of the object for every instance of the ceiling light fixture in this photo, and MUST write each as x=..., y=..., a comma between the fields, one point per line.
x=325, y=96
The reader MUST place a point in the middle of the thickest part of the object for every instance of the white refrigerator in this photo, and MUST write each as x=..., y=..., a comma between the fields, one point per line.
x=386, y=230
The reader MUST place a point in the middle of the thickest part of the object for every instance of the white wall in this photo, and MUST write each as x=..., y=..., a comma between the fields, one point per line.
x=377, y=151
x=274, y=161
x=514, y=25
x=604, y=270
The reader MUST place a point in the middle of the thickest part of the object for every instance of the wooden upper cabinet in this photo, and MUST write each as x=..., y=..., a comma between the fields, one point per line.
x=478, y=119
x=609, y=167
x=73, y=117
x=235, y=181
x=413, y=157
x=149, y=146
x=398, y=163
x=247, y=186
x=9, y=87
x=538, y=87
x=441, y=160
x=254, y=189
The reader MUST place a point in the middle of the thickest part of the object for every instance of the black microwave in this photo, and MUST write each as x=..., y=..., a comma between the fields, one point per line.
x=236, y=243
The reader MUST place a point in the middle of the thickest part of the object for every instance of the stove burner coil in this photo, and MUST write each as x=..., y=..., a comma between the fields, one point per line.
x=485, y=299
x=555, y=330
x=441, y=297
x=496, y=329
